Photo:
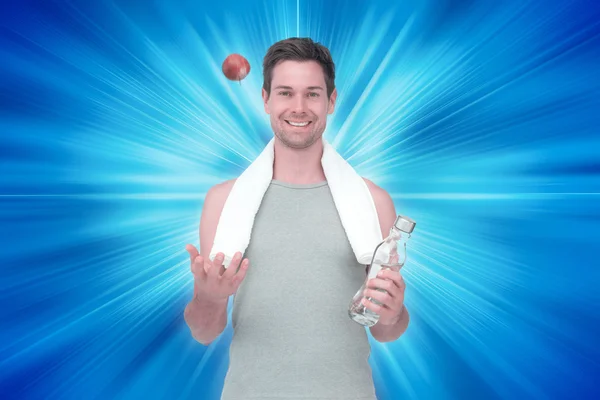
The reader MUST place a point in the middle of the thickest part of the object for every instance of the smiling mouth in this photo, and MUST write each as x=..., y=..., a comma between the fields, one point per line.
x=298, y=124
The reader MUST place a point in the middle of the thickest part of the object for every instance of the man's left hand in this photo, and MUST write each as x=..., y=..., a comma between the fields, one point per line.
x=392, y=303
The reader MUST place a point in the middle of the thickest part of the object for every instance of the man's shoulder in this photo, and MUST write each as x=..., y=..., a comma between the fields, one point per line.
x=218, y=193
x=379, y=194
x=384, y=204
x=223, y=187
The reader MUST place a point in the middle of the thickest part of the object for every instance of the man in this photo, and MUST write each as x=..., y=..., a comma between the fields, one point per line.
x=292, y=334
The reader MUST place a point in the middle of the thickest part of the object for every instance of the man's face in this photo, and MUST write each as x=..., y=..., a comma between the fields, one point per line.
x=298, y=103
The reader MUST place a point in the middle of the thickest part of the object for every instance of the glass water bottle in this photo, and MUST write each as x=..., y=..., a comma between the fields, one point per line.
x=389, y=254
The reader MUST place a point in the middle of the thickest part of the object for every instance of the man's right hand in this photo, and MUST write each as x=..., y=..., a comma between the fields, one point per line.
x=212, y=281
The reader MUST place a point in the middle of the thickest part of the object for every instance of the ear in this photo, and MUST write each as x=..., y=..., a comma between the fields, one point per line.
x=332, y=99
x=265, y=97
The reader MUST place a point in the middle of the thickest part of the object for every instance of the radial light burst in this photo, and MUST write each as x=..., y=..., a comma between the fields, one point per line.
x=481, y=119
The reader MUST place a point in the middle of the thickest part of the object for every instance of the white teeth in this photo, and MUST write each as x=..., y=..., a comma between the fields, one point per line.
x=297, y=123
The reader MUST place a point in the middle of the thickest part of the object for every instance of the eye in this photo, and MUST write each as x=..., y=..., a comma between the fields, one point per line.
x=284, y=93
x=313, y=94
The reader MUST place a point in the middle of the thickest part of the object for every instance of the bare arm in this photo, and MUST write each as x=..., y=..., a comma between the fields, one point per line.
x=206, y=315
x=386, y=212
x=206, y=319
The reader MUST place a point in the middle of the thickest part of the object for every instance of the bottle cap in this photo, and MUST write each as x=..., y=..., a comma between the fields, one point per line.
x=405, y=224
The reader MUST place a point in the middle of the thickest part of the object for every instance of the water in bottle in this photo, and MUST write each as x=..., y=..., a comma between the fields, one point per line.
x=389, y=254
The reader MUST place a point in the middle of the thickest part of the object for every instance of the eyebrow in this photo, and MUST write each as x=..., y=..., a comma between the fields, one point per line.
x=290, y=88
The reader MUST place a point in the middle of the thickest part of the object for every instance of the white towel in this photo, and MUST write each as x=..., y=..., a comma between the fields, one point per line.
x=350, y=193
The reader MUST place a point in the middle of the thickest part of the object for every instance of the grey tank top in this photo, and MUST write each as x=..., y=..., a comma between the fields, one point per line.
x=292, y=336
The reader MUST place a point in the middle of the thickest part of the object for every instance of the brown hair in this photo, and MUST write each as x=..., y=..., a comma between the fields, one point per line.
x=298, y=49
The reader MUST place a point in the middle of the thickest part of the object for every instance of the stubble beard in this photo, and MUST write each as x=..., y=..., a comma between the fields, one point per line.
x=287, y=140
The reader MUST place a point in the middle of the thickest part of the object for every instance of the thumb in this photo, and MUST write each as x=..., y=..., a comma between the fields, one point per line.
x=193, y=252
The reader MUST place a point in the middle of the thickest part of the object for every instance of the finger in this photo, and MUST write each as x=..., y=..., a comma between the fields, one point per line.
x=198, y=268
x=387, y=285
x=194, y=264
x=371, y=306
x=241, y=274
x=233, y=266
x=221, y=270
x=216, y=265
x=383, y=312
x=378, y=283
x=192, y=251
x=383, y=297
x=394, y=276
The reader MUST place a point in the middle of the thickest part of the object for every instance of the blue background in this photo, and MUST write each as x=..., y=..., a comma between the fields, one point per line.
x=480, y=118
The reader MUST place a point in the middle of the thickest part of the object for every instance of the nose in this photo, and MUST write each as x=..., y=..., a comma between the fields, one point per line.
x=299, y=104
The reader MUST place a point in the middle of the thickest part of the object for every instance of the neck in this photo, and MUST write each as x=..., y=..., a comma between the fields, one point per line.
x=298, y=166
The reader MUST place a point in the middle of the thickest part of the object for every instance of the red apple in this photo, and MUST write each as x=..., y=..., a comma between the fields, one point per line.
x=236, y=67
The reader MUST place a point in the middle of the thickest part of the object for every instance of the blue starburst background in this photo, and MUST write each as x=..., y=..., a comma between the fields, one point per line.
x=480, y=118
